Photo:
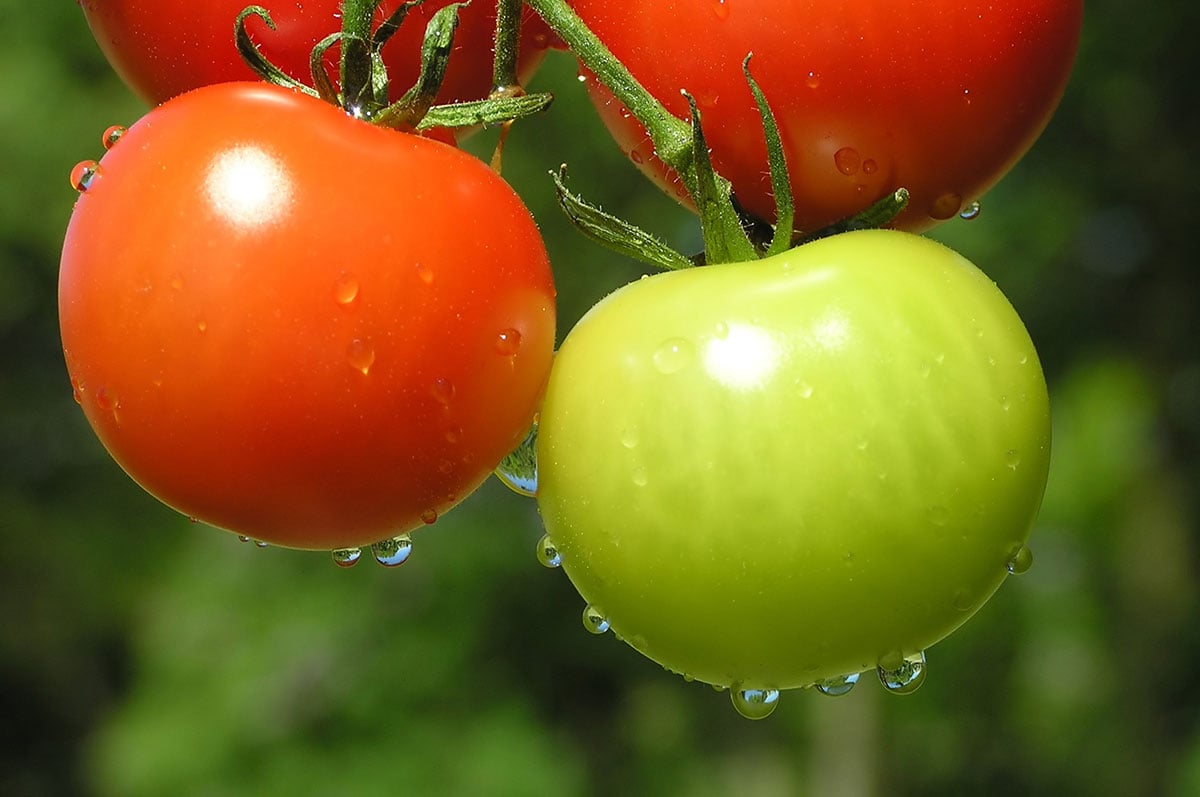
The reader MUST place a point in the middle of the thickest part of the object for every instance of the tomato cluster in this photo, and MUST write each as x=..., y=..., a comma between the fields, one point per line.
x=297, y=325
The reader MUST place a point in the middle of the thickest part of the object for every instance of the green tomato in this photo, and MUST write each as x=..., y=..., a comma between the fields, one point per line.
x=774, y=474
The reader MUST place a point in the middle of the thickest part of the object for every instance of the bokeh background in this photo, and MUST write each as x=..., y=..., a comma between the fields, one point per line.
x=144, y=655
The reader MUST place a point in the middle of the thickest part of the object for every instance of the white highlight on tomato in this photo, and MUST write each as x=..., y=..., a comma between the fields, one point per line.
x=744, y=358
x=248, y=186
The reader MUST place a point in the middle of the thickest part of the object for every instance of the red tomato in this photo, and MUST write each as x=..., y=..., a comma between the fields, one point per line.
x=940, y=97
x=297, y=326
x=164, y=49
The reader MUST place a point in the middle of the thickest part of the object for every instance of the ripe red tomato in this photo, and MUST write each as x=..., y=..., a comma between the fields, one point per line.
x=162, y=51
x=294, y=325
x=938, y=97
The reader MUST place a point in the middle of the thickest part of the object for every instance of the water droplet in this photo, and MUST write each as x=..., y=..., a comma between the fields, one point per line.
x=177, y=281
x=1012, y=459
x=903, y=678
x=639, y=476
x=454, y=435
x=1020, y=561
x=962, y=601
x=813, y=79
x=84, y=174
x=938, y=515
x=847, y=160
x=636, y=157
x=721, y=9
x=519, y=471
x=425, y=273
x=201, y=326
x=837, y=686
x=754, y=704
x=507, y=342
x=721, y=330
x=805, y=390
x=443, y=390
x=594, y=621
x=869, y=166
x=241, y=537
x=547, y=554
x=672, y=355
x=945, y=206
x=345, y=290
x=77, y=391
x=393, y=552
x=360, y=355
x=971, y=211
x=718, y=687
x=111, y=136
x=346, y=557
x=106, y=400
x=630, y=437
x=1005, y=404
x=429, y=517
x=582, y=78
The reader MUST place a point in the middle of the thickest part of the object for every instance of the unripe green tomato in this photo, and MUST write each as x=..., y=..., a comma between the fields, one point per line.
x=776, y=473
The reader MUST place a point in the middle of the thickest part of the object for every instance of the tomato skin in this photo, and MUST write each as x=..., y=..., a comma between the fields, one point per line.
x=941, y=98
x=164, y=49
x=776, y=473
x=294, y=325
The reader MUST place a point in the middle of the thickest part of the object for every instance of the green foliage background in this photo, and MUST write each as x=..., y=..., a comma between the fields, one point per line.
x=143, y=655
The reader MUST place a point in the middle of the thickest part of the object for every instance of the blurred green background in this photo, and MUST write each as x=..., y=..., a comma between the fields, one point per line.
x=143, y=655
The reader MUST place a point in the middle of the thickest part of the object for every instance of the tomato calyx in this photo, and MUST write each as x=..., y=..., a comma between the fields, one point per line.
x=731, y=234
x=362, y=85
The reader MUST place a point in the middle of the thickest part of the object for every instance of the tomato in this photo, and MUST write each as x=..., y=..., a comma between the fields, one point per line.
x=292, y=324
x=938, y=97
x=773, y=474
x=164, y=49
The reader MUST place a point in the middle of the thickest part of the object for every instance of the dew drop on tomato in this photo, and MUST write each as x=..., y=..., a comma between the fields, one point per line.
x=345, y=290
x=111, y=136
x=392, y=552
x=1012, y=459
x=639, y=476
x=837, y=686
x=672, y=355
x=971, y=211
x=507, y=342
x=1020, y=561
x=945, y=206
x=754, y=704
x=424, y=273
x=813, y=80
x=84, y=175
x=847, y=160
x=360, y=355
x=904, y=677
x=443, y=390
x=869, y=166
x=519, y=470
x=594, y=620
x=346, y=557
x=106, y=400
x=429, y=517
x=547, y=553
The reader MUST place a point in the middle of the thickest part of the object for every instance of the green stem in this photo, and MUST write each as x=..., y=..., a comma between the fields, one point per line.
x=672, y=136
x=508, y=44
x=356, y=76
x=357, y=16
